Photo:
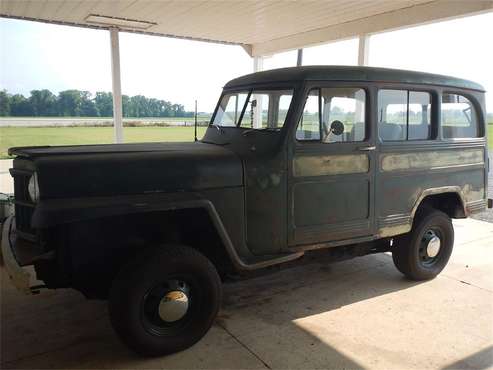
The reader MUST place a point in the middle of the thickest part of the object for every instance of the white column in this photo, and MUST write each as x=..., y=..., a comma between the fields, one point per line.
x=363, y=56
x=299, y=61
x=258, y=65
x=117, y=85
x=364, y=50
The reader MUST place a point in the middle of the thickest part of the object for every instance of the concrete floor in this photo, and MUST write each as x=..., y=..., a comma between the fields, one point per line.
x=6, y=182
x=355, y=314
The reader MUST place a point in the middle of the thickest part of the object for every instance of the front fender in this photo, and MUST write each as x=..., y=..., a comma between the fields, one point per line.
x=49, y=213
x=52, y=212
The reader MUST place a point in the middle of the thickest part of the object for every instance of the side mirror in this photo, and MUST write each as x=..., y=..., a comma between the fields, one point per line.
x=337, y=127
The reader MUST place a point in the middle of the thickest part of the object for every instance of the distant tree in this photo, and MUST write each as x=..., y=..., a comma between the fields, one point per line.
x=177, y=110
x=69, y=103
x=43, y=103
x=20, y=106
x=165, y=108
x=75, y=103
x=4, y=103
x=87, y=105
x=125, y=106
x=104, y=103
x=139, y=106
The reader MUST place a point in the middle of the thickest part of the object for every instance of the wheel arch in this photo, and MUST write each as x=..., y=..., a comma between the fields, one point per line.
x=93, y=240
x=448, y=199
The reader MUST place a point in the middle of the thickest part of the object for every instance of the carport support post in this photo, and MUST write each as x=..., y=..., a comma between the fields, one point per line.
x=117, y=85
x=363, y=55
x=363, y=50
x=299, y=60
x=258, y=65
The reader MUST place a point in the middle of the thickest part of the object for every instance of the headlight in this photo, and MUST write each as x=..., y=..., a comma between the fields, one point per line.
x=33, y=188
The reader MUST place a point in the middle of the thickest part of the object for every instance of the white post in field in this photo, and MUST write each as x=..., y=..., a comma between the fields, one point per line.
x=117, y=85
x=364, y=50
x=258, y=65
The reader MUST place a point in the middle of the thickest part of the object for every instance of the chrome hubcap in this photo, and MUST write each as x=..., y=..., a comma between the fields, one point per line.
x=173, y=306
x=433, y=244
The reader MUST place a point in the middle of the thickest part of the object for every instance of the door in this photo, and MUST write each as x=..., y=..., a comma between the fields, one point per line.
x=331, y=186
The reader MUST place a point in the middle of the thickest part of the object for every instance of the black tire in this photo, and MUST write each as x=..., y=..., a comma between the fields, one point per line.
x=135, y=303
x=410, y=254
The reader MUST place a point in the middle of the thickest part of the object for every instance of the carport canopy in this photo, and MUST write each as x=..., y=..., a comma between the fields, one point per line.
x=261, y=27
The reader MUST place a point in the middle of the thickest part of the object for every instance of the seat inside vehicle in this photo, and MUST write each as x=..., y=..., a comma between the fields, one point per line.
x=391, y=131
x=358, y=131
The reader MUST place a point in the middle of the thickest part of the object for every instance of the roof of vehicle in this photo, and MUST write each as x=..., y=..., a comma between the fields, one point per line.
x=350, y=73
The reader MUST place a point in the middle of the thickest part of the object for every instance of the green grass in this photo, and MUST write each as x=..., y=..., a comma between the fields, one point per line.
x=28, y=136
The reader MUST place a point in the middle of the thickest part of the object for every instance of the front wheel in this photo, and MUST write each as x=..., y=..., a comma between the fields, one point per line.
x=424, y=252
x=165, y=300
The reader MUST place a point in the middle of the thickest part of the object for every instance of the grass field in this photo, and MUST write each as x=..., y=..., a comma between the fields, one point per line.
x=27, y=136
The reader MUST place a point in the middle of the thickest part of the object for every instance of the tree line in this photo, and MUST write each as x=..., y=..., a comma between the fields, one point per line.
x=77, y=103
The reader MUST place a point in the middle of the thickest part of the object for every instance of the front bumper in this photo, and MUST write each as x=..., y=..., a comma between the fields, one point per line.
x=20, y=278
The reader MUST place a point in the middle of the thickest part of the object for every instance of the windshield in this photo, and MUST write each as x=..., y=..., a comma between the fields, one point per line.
x=254, y=109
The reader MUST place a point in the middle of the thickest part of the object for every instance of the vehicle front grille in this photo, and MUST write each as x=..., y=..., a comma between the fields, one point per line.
x=24, y=208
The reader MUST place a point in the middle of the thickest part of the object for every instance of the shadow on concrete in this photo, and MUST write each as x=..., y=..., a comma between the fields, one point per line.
x=61, y=329
x=255, y=309
x=477, y=361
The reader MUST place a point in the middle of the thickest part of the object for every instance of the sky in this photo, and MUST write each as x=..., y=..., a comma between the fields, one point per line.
x=38, y=55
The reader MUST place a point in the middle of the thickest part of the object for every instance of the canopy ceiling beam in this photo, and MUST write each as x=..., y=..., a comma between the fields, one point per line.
x=433, y=11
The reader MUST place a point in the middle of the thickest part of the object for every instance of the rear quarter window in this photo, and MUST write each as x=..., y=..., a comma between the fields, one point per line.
x=459, y=117
x=404, y=115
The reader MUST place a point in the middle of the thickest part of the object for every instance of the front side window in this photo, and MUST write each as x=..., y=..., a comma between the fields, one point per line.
x=257, y=111
x=333, y=115
x=309, y=125
x=254, y=109
x=459, y=118
x=404, y=115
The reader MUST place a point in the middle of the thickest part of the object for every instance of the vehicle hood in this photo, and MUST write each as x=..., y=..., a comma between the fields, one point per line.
x=117, y=169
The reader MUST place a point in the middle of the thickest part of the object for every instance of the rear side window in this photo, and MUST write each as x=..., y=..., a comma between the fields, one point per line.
x=459, y=118
x=404, y=115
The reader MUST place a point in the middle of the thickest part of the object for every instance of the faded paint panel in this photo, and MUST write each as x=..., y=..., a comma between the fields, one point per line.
x=430, y=160
x=472, y=193
x=305, y=166
x=330, y=202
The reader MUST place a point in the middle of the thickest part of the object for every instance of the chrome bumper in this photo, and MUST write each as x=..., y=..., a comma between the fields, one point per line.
x=20, y=278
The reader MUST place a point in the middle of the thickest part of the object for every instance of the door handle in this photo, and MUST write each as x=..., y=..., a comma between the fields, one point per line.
x=367, y=148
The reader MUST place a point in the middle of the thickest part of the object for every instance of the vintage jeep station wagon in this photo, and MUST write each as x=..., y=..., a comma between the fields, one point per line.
x=351, y=160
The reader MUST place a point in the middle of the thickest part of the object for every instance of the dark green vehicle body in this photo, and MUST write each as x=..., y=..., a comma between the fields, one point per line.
x=248, y=199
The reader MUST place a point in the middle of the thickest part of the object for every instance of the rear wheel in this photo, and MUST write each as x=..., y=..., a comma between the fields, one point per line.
x=165, y=300
x=424, y=252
